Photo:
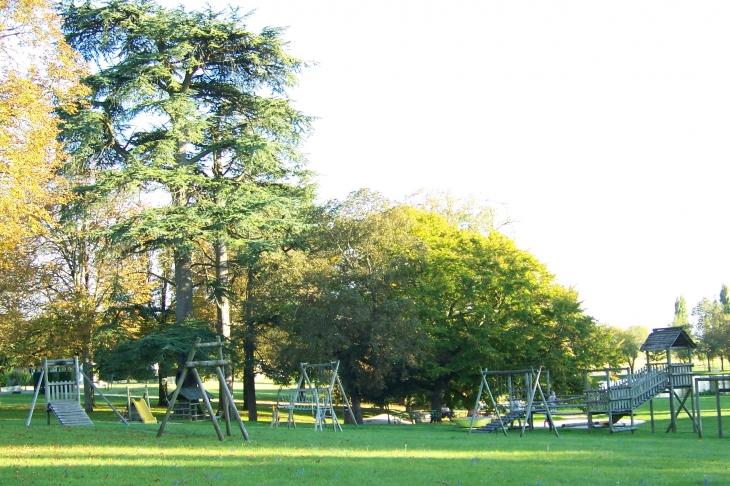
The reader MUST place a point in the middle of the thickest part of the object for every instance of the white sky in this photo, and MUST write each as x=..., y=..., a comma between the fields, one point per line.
x=602, y=126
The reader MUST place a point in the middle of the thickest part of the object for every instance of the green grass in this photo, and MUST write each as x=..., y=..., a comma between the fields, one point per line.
x=424, y=454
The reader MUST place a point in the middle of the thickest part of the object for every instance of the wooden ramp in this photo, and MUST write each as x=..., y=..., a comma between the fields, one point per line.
x=69, y=413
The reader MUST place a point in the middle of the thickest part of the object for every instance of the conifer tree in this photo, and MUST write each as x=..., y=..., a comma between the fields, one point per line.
x=193, y=106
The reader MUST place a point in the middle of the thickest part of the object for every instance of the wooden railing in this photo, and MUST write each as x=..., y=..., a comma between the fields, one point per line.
x=61, y=390
x=638, y=388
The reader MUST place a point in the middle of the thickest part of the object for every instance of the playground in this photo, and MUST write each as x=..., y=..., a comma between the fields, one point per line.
x=529, y=440
x=429, y=453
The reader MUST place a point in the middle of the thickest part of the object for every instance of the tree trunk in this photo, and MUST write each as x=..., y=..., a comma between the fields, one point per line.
x=439, y=390
x=249, y=373
x=356, y=405
x=223, y=308
x=161, y=390
x=183, y=283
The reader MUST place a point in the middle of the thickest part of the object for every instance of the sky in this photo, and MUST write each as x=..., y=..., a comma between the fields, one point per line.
x=601, y=128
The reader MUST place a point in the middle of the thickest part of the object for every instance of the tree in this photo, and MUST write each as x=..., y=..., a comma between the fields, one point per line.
x=630, y=341
x=87, y=285
x=681, y=318
x=713, y=330
x=482, y=301
x=40, y=72
x=193, y=106
x=466, y=213
x=352, y=303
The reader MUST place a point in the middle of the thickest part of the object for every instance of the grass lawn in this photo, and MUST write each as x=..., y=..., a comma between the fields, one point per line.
x=414, y=455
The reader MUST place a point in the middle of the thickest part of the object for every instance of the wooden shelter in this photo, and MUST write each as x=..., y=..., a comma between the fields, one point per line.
x=679, y=375
x=189, y=404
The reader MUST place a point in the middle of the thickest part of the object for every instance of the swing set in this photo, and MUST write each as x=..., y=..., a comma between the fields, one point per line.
x=314, y=393
x=519, y=391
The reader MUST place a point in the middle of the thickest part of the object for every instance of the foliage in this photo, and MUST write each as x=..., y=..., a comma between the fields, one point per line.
x=193, y=107
x=465, y=213
x=15, y=377
x=179, y=105
x=167, y=346
x=713, y=329
x=681, y=319
x=629, y=342
x=40, y=72
x=484, y=302
x=353, y=304
x=84, y=285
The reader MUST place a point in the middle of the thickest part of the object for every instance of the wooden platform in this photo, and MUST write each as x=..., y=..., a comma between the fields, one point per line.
x=69, y=413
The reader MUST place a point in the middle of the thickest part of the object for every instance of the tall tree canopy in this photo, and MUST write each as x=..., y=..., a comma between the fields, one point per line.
x=484, y=302
x=351, y=301
x=39, y=73
x=192, y=105
x=681, y=318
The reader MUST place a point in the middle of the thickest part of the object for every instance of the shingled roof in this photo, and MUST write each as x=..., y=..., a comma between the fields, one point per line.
x=665, y=338
x=191, y=393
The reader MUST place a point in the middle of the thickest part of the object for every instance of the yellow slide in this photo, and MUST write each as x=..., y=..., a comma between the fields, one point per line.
x=144, y=411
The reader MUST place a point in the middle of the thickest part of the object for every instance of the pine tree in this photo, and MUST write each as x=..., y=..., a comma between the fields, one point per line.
x=193, y=106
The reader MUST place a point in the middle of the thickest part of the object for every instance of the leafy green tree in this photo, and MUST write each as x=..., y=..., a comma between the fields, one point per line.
x=629, y=343
x=484, y=302
x=192, y=106
x=87, y=283
x=352, y=302
x=681, y=319
x=713, y=330
x=725, y=299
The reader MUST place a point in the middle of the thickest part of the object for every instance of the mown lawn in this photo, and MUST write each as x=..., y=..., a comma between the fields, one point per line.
x=414, y=455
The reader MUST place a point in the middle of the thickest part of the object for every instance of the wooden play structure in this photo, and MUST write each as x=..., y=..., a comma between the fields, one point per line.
x=227, y=404
x=611, y=392
x=619, y=398
x=521, y=387
x=63, y=396
x=314, y=393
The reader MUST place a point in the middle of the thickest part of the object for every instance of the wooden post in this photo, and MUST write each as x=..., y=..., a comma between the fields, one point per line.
x=221, y=376
x=630, y=378
x=719, y=409
x=77, y=377
x=225, y=404
x=129, y=405
x=178, y=387
x=46, y=390
x=479, y=396
x=672, y=417
x=588, y=407
x=207, y=404
x=608, y=400
x=35, y=397
x=699, y=412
